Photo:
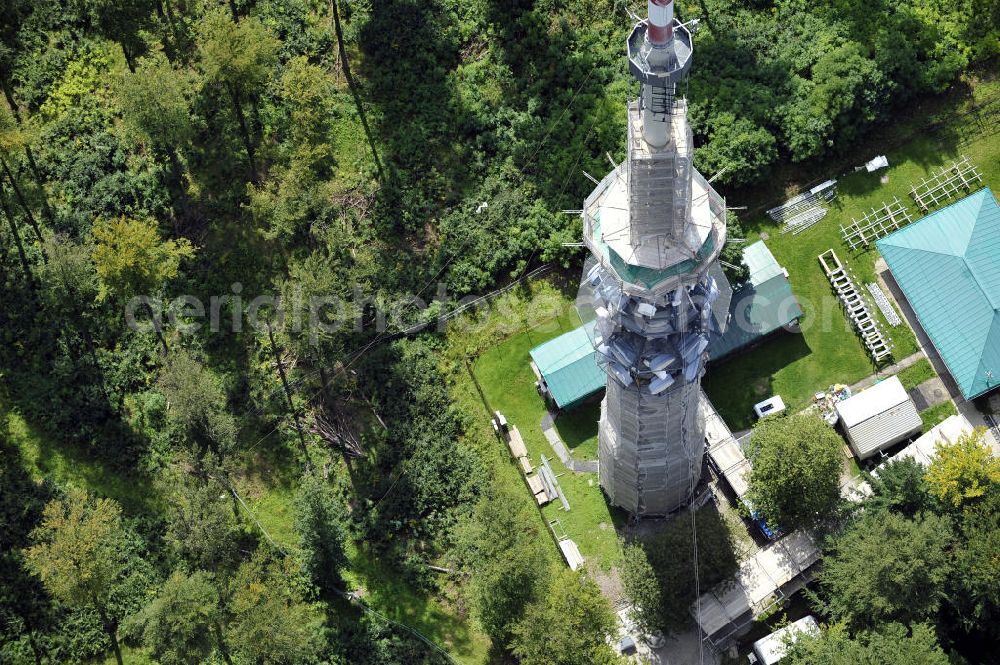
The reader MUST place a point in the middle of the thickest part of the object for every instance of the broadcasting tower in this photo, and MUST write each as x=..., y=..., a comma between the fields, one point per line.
x=652, y=287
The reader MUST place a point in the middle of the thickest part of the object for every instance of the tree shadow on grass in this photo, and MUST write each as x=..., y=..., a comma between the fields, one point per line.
x=409, y=49
x=66, y=464
x=386, y=591
x=747, y=377
x=668, y=547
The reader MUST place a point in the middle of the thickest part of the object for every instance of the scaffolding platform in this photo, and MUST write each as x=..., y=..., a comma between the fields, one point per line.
x=875, y=224
x=879, y=346
x=551, y=483
x=945, y=184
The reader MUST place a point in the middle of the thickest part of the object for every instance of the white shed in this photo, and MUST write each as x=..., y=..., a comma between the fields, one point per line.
x=878, y=417
x=771, y=649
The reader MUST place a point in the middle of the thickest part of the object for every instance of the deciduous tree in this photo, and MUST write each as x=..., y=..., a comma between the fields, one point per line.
x=80, y=554
x=121, y=21
x=132, y=259
x=569, y=624
x=795, y=470
x=977, y=567
x=892, y=644
x=658, y=571
x=499, y=545
x=963, y=471
x=885, y=567
x=156, y=106
x=269, y=619
x=640, y=583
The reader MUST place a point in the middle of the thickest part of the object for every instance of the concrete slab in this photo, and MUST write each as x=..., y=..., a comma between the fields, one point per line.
x=887, y=371
x=560, y=449
x=930, y=393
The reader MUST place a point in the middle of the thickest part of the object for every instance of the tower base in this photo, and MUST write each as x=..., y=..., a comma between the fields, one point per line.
x=652, y=468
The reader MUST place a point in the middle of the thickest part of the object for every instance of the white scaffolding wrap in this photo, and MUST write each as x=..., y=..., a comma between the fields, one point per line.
x=654, y=291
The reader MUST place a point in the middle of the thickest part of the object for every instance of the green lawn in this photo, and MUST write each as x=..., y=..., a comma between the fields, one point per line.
x=271, y=502
x=936, y=414
x=828, y=351
x=917, y=373
x=45, y=457
x=386, y=591
x=509, y=386
x=131, y=656
x=578, y=429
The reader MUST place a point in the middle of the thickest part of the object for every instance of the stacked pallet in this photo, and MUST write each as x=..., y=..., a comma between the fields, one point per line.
x=946, y=183
x=855, y=307
x=542, y=485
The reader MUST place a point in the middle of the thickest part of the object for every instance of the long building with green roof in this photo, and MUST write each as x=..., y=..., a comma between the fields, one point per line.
x=567, y=369
x=948, y=267
x=761, y=306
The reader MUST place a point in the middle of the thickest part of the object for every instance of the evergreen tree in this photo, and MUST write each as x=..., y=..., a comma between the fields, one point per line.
x=319, y=522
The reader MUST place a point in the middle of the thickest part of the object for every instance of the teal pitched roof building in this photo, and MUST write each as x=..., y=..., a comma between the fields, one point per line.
x=761, y=306
x=948, y=266
x=568, y=366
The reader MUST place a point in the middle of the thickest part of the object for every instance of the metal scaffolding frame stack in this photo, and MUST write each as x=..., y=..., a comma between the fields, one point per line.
x=883, y=304
x=803, y=211
x=946, y=184
x=878, y=345
x=875, y=224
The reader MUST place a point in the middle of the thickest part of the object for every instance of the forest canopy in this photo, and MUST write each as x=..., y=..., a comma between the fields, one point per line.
x=249, y=153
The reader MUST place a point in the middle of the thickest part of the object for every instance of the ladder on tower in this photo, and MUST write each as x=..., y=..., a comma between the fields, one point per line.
x=660, y=102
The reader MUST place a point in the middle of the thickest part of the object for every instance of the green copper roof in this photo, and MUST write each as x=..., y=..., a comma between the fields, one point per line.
x=568, y=365
x=649, y=277
x=948, y=265
x=761, y=262
x=759, y=307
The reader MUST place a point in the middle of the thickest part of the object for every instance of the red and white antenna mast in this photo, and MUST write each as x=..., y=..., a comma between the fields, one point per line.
x=660, y=21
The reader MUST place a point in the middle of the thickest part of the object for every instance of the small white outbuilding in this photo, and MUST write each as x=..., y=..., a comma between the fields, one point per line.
x=878, y=417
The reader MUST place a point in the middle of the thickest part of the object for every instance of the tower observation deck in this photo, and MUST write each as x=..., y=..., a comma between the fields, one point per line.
x=654, y=227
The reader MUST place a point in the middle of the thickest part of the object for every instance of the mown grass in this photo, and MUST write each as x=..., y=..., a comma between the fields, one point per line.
x=508, y=384
x=936, y=415
x=917, y=373
x=828, y=351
